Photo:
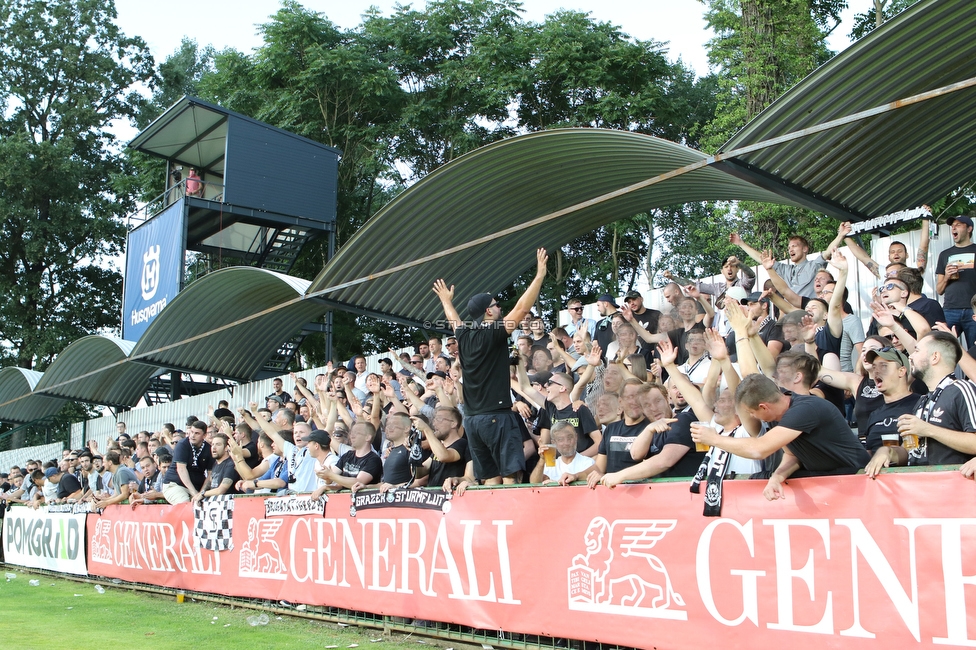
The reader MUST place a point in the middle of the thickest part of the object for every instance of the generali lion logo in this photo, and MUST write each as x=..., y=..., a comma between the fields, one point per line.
x=150, y=272
x=619, y=575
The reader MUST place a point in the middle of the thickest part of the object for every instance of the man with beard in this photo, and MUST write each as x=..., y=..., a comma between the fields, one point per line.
x=944, y=420
x=223, y=476
x=892, y=378
x=449, y=457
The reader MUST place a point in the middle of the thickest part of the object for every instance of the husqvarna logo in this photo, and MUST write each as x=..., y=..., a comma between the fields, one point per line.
x=150, y=272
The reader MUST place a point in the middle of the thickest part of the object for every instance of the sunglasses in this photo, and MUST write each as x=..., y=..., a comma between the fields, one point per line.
x=574, y=309
x=892, y=285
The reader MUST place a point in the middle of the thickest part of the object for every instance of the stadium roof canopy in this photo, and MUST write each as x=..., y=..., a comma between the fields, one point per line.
x=884, y=126
x=480, y=217
x=908, y=153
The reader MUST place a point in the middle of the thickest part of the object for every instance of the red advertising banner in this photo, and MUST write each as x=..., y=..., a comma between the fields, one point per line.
x=842, y=561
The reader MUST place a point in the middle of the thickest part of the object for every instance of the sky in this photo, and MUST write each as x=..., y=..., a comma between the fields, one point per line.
x=233, y=23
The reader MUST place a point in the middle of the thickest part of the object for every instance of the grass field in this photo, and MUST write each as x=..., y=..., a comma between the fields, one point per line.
x=65, y=614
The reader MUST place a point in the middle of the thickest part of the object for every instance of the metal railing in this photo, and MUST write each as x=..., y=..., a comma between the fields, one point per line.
x=207, y=190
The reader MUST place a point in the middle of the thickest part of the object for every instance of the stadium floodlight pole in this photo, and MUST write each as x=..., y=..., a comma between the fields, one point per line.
x=700, y=164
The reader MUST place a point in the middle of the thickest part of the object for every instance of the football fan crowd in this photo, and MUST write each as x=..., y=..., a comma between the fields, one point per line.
x=731, y=380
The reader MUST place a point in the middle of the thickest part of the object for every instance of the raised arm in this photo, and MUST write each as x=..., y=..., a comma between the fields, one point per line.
x=859, y=253
x=446, y=294
x=642, y=332
x=922, y=256
x=769, y=262
x=835, y=309
x=524, y=304
x=694, y=292
x=669, y=355
x=734, y=238
x=834, y=245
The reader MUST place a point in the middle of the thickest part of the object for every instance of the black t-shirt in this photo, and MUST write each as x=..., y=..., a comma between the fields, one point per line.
x=648, y=319
x=958, y=293
x=396, y=469
x=222, y=470
x=679, y=433
x=484, y=361
x=678, y=337
x=866, y=401
x=826, y=444
x=954, y=410
x=68, y=485
x=604, y=334
x=582, y=420
x=884, y=420
x=440, y=471
x=617, y=439
x=833, y=395
x=196, y=466
x=826, y=342
x=929, y=309
x=254, y=459
x=350, y=465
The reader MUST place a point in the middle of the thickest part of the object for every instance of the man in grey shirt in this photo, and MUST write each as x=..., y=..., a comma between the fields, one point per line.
x=798, y=271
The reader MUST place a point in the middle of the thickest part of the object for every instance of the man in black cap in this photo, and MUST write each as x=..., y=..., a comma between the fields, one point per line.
x=607, y=307
x=489, y=422
x=646, y=317
x=955, y=277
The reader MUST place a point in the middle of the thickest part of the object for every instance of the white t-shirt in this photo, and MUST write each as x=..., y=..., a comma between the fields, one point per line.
x=577, y=465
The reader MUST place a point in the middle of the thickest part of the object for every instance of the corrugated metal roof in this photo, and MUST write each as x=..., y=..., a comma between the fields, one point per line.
x=896, y=160
x=194, y=132
x=19, y=383
x=231, y=301
x=96, y=369
x=504, y=185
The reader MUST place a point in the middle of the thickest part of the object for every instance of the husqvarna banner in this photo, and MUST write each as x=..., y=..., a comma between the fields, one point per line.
x=44, y=540
x=153, y=268
x=842, y=562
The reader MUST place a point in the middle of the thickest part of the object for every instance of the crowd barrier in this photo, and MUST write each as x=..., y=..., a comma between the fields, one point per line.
x=842, y=562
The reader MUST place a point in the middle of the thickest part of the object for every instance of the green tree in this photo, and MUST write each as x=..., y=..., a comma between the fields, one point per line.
x=876, y=15
x=66, y=72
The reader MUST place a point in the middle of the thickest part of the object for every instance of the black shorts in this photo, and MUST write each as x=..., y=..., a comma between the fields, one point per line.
x=496, y=444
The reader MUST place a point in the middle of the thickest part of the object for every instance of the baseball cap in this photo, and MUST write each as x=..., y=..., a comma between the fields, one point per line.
x=478, y=304
x=540, y=378
x=275, y=398
x=888, y=354
x=737, y=294
x=437, y=373
x=964, y=219
x=51, y=471
x=606, y=297
x=756, y=296
x=632, y=295
x=318, y=436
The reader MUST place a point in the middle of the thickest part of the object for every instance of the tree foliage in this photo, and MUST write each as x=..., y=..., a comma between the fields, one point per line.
x=66, y=72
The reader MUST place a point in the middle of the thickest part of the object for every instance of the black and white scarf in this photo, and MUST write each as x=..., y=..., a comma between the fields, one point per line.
x=919, y=455
x=716, y=474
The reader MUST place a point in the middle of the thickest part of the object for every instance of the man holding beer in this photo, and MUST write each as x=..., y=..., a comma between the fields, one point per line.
x=558, y=461
x=892, y=377
x=944, y=421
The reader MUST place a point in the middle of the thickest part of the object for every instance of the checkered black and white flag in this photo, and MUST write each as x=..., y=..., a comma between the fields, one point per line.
x=213, y=523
